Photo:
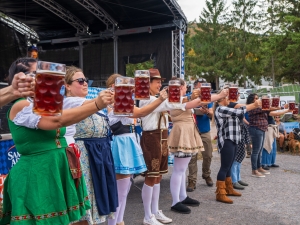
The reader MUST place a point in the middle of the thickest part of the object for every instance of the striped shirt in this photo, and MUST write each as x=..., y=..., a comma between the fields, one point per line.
x=228, y=124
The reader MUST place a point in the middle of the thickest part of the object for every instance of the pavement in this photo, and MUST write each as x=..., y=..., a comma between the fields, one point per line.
x=271, y=200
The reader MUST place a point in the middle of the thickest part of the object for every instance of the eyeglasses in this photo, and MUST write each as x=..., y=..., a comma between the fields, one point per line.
x=81, y=80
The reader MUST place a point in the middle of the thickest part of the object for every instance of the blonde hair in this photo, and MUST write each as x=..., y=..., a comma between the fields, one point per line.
x=111, y=80
x=71, y=70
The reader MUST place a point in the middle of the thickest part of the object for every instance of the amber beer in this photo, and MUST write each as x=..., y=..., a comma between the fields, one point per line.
x=124, y=102
x=48, y=100
x=233, y=93
x=205, y=92
x=142, y=87
x=265, y=103
x=296, y=111
x=291, y=106
x=174, y=91
x=275, y=101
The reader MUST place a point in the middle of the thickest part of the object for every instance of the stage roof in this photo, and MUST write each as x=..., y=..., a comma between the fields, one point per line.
x=90, y=17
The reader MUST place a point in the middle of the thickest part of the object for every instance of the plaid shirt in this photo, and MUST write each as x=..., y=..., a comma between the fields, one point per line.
x=259, y=118
x=228, y=124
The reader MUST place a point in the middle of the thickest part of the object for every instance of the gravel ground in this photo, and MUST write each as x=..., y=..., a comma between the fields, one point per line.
x=270, y=200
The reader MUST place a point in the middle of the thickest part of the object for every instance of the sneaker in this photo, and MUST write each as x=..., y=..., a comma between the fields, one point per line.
x=274, y=165
x=151, y=221
x=263, y=171
x=209, y=181
x=237, y=186
x=190, y=202
x=162, y=218
x=191, y=186
x=265, y=167
x=258, y=175
x=181, y=208
x=242, y=183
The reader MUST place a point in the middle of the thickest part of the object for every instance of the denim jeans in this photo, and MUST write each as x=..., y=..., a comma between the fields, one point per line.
x=257, y=137
x=269, y=159
x=236, y=171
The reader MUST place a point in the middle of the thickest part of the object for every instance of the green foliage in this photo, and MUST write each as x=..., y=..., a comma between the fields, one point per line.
x=130, y=68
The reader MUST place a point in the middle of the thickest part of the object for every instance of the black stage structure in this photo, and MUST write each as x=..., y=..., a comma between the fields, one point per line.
x=100, y=36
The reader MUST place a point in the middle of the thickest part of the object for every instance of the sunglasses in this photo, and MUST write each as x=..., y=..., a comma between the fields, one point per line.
x=81, y=80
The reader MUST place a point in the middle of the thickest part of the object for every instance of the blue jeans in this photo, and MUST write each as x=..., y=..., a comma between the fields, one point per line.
x=269, y=159
x=258, y=137
x=235, y=171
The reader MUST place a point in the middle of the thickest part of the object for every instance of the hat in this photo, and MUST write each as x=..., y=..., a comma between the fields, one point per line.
x=200, y=80
x=154, y=74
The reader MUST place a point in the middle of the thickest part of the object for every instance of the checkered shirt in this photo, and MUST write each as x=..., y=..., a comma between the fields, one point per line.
x=259, y=118
x=228, y=124
x=245, y=139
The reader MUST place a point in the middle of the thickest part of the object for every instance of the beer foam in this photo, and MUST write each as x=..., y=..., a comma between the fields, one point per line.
x=124, y=85
x=141, y=76
x=51, y=72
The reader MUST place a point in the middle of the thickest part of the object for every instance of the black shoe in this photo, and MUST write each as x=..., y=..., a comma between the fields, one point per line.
x=274, y=165
x=190, y=202
x=238, y=186
x=181, y=208
x=265, y=167
x=242, y=183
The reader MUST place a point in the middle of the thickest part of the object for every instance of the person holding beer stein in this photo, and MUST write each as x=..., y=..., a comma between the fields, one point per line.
x=44, y=187
x=228, y=122
x=22, y=85
x=93, y=141
x=156, y=152
x=126, y=151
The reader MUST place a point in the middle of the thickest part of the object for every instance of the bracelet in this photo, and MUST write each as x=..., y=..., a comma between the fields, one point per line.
x=97, y=106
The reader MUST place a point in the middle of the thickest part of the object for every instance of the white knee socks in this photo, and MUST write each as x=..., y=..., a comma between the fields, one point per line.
x=155, y=198
x=182, y=193
x=123, y=206
x=179, y=168
x=147, y=198
x=122, y=186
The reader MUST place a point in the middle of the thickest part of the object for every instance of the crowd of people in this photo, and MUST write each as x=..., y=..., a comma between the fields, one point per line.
x=47, y=186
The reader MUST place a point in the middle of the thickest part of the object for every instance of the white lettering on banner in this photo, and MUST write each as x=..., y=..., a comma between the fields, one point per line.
x=182, y=72
x=13, y=157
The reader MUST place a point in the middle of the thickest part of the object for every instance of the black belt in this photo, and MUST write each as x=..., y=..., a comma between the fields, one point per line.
x=118, y=128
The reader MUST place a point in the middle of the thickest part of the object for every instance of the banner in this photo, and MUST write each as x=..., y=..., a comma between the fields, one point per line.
x=289, y=126
x=8, y=156
x=2, y=178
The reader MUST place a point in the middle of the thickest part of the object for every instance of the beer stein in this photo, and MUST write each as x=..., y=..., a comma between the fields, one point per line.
x=233, y=93
x=265, y=102
x=174, y=91
x=205, y=92
x=275, y=101
x=296, y=110
x=291, y=105
x=142, y=87
x=124, y=100
x=49, y=88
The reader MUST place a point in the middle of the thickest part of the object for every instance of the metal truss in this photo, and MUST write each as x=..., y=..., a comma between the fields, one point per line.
x=100, y=13
x=19, y=27
x=66, y=15
x=176, y=53
x=177, y=13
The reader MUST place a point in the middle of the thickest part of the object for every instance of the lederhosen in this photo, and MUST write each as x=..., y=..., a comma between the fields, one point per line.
x=155, y=149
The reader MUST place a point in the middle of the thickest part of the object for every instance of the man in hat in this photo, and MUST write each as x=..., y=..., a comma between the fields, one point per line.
x=155, y=150
x=205, y=113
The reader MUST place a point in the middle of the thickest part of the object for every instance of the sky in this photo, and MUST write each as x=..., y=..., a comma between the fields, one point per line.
x=191, y=8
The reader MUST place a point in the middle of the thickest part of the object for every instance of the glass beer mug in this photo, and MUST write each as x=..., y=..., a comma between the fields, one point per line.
x=205, y=92
x=124, y=101
x=49, y=88
x=292, y=105
x=265, y=102
x=142, y=87
x=174, y=91
x=275, y=101
x=233, y=93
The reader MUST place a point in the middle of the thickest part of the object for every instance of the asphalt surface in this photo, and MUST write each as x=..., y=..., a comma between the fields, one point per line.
x=270, y=200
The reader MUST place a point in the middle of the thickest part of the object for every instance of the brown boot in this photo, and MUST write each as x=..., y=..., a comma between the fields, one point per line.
x=221, y=193
x=121, y=223
x=229, y=188
x=191, y=186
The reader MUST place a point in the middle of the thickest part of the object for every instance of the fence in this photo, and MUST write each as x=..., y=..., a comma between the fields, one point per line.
x=291, y=90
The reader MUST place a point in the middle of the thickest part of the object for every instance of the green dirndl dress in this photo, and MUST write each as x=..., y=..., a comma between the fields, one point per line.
x=40, y=189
